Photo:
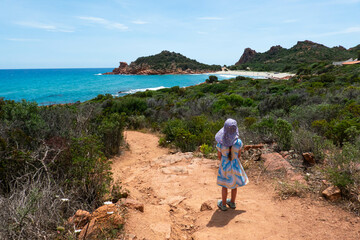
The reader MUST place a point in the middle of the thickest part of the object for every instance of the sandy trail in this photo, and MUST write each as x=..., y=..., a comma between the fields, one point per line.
x=174, y=186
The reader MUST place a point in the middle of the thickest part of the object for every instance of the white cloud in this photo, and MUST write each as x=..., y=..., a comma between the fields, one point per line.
x=23, y=39
x=210, y=18
x=344, y=1
x=47, y=27
x=202, y=33
x=106, y=23
x=139, y=22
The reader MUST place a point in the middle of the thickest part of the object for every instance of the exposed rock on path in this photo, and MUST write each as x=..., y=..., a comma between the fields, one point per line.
x=179, y=194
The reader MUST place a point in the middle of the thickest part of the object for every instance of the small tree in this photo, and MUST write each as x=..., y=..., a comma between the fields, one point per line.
x=212, y=79
x=358, y=55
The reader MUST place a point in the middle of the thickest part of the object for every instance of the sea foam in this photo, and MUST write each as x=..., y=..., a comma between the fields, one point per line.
x=131, y=91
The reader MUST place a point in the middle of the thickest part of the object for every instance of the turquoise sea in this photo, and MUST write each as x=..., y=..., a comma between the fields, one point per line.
x=54, y=86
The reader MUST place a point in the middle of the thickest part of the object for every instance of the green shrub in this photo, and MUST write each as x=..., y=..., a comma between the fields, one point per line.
x=129, y=105
x=206, y=150
x=342, y=170
x=111, y=129
x=89, y=169
x=283, y=133
x=212, y=79
x=249, y=121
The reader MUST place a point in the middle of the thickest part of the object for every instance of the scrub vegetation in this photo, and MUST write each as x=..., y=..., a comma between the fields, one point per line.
x=55, y=159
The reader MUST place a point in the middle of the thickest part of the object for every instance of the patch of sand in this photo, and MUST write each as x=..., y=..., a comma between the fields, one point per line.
x=275, y=75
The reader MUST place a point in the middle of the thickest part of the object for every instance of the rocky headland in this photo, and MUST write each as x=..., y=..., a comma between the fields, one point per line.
x=163, y=63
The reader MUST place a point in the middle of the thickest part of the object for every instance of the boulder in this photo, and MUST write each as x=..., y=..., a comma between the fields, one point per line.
x=103, y=219
x=332, y=193
x=309, y=158
x=80, y=219
x=274, y=162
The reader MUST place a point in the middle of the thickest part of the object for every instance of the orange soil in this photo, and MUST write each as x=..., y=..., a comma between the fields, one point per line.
x=172, y=188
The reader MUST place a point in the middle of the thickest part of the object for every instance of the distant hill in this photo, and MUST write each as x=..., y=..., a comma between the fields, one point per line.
x=165, y=62
x=306, y=52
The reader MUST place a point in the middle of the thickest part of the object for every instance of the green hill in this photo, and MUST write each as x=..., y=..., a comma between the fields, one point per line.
x=303, y=53
x=172, y=60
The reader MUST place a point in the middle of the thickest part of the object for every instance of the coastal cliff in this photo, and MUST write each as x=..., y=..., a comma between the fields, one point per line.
x=163, y=63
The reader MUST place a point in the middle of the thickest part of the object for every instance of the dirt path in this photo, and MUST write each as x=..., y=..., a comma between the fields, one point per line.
x=173, y=187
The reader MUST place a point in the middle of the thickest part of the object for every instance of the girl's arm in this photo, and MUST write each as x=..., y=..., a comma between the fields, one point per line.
x=219, y=155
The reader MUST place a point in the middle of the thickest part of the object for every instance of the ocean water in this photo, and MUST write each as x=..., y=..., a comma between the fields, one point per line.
x=54, y=86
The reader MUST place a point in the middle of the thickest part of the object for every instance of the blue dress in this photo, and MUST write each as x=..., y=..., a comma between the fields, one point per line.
x=231, y=173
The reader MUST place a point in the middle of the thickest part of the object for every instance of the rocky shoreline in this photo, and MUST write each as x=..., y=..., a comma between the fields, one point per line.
x=145, y=69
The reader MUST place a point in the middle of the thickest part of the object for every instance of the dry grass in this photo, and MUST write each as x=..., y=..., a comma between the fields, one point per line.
x=286, y=190
x=35, y=210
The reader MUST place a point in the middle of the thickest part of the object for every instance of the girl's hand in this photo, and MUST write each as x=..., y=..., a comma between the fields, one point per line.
x=219, y=155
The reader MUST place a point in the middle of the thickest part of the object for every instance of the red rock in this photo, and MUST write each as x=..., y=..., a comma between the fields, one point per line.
x=80, y=219
x=246, y=56
x=88, y=232
x=274, y=161
x=131, y=203
x=104, y=218
x=145, y=69
x=309, y=158
x=332, y=193
x=206, y=206
x=284, y=153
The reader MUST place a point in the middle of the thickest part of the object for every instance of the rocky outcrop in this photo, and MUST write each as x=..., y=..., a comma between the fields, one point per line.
x=307, y=45
x=276, y=162
x=145, y=69
x=101, y=220
x=107, y=218
x=246, y=56
x=165, y=62
x=275, y=49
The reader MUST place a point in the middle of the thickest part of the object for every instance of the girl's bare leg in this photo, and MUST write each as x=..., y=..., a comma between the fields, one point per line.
x=233, y=194
x=224, y=193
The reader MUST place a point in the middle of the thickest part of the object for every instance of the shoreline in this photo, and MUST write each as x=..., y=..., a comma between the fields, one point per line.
x=272, y=75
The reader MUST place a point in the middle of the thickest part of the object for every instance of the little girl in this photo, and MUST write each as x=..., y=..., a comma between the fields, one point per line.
x=231, y=173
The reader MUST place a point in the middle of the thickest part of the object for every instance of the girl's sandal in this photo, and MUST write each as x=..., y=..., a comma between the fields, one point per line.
x=230, y=204
x=221, y=206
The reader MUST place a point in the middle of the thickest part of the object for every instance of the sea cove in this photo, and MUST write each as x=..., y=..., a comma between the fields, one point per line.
x=56, y=86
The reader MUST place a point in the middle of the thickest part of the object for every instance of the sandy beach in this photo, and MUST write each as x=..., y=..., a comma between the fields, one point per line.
x=273, y=75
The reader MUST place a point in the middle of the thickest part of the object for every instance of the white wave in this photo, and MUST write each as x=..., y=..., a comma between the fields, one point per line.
x=227, y=76
x=131, y=91
x=98, y=74
x=143, y=89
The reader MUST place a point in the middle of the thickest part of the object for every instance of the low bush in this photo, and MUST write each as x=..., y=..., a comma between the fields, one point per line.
x=343, y=170
x=53, y=151
x=283, y=133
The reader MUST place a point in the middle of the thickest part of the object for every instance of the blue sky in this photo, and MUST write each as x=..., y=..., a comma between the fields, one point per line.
x=89, y=33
